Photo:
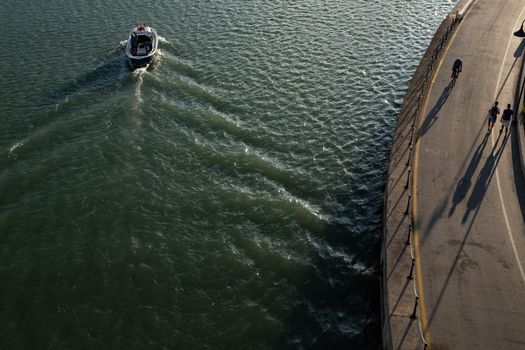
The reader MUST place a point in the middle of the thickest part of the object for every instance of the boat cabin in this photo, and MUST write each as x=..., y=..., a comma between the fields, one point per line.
x=141, y=40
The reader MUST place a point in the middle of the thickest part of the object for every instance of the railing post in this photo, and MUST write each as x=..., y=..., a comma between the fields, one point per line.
x=415, y=308
x=413, y=129
x=410, y=276
x=409, y=155
x=408, y=177
x=407, y=242
x=408, y=204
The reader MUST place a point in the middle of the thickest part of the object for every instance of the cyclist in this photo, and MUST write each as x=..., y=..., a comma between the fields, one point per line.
x=456, y=68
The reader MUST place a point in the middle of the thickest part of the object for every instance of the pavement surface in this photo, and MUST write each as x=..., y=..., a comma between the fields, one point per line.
x=462, y=190
x=469, y=191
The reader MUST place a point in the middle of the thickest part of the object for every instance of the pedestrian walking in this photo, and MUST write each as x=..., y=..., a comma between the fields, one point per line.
x=493, y=115
x=506, y=118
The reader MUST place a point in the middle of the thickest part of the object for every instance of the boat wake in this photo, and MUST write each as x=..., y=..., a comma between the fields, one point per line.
x=163, y=39
x=173, y=77
x=119, y=47
x=137, y=92
x=104, y=76
x=12, y=154
x=177, y=64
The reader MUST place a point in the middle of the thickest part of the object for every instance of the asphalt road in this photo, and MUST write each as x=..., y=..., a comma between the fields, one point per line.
x=470, y=192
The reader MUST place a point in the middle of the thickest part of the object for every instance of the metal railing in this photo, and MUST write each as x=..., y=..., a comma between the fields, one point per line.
x=428, y=73
x=426, y=76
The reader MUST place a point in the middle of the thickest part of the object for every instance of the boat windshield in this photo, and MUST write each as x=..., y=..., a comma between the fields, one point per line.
x=141, y=44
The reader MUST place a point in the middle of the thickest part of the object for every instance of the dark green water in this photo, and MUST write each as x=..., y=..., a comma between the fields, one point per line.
x=228, y=198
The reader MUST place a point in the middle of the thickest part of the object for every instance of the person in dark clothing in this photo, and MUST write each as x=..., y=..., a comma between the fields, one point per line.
x=493, y=114
x=506, y=118
x=456, y=68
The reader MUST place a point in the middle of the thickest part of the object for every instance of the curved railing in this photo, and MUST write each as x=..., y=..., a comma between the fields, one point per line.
x=428, y=73
x=447, y=27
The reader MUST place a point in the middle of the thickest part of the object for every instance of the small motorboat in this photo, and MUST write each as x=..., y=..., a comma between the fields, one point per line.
x=141, y=46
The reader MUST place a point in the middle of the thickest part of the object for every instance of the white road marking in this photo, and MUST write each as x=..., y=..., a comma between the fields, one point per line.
x=505, y=216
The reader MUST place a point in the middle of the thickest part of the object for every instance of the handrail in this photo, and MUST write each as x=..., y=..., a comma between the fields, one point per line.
x=427, y=75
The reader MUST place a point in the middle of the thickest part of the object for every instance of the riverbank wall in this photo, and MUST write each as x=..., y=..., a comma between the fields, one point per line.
x=401, y=328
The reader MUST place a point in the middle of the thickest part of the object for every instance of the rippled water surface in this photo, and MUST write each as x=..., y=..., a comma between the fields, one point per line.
x=229, y=197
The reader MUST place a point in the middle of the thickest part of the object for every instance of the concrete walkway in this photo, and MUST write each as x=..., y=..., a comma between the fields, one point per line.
x=470, y=195
x=468, y=202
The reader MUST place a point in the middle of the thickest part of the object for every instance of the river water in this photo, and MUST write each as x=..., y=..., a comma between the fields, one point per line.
x=229, y=197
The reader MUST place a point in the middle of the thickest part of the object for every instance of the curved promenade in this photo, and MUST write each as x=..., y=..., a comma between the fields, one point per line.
x=455, y=201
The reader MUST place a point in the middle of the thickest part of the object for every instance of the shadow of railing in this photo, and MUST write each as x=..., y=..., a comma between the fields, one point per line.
x=406, y=136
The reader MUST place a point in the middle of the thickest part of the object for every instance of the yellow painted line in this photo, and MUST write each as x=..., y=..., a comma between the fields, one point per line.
x=419, y=278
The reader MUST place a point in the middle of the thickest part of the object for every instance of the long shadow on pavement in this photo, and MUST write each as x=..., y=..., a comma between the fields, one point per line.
x=462, y=188
x=520, y=49
x=432, y=115
x=517, y=55
x=439, y=210
x=480, y=188
x=484, y=177
x=478, y=193
x=464, y=183
x=519, y=180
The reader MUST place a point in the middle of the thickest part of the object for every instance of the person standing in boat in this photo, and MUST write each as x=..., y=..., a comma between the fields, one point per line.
x=133, y=42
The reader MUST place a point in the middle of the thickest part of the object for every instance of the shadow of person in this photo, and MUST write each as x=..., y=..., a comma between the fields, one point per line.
x=484, y=177
x=519, y=50
x=517, y=54
x=432, y=115
x=464, y=183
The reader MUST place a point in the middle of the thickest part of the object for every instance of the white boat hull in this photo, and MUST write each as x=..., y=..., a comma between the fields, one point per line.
x=142, y=46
